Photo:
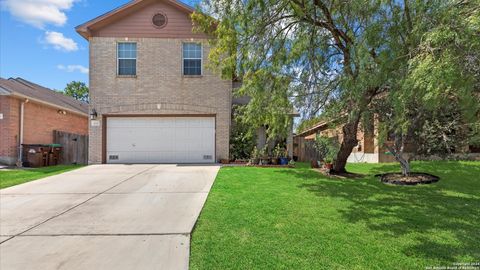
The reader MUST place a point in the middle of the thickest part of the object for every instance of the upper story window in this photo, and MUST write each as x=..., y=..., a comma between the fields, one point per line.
x=127, y=58
x=192, y=59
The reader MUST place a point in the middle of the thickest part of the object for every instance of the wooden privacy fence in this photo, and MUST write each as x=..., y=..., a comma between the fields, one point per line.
x=305, y=150
x=74, y=147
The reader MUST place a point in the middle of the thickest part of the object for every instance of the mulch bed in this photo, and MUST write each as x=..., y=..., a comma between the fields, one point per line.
x=412, y=179
x=272, y=166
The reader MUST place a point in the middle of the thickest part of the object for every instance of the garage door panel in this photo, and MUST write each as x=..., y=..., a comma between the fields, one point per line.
x=207, y=133
x=161, y=140
x=116, y=142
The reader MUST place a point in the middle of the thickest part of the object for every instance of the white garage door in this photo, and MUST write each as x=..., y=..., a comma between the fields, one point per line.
x=160, y=140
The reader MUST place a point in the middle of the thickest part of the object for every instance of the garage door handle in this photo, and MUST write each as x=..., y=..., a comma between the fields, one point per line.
x=133, y=145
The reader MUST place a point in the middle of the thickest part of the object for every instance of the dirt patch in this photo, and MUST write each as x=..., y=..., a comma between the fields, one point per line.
x=412, y=179
x=257, y=166
x=339, y=175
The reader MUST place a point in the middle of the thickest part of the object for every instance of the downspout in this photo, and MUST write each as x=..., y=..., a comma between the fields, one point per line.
x=20, y=146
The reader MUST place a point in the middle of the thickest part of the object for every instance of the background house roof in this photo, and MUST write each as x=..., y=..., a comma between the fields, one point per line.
x=22, y=88
x=313, y=130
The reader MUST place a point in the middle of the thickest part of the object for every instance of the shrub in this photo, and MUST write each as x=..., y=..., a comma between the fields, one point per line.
x=327, y=148
x=242, y=141
x=279, y=152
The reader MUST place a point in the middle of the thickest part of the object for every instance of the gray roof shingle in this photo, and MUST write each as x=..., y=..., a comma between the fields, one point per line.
x=31, y=90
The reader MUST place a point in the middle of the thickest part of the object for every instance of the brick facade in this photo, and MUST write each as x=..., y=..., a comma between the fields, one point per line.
x=39, y=123
x=159, y=88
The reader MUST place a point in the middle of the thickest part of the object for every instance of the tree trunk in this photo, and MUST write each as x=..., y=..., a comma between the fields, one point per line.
x=405, y=168
x=404, y=164
x=350, y=132
x=348, y=143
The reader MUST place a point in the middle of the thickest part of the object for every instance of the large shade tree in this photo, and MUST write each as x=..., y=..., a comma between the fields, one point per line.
x=320, y=52
x=433, y=102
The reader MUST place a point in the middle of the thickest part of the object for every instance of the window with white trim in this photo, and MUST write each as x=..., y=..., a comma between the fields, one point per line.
x=127, y=58
x=192, y=59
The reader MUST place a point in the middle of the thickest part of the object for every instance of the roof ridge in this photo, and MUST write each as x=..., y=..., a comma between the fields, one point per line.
x=19, y=80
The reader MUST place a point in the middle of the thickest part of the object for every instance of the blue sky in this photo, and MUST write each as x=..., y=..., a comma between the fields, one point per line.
x=38, y=41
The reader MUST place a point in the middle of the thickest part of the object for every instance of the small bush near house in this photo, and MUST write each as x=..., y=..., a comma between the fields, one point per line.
x=326, y=147
x=242, y=140
x=241, y=144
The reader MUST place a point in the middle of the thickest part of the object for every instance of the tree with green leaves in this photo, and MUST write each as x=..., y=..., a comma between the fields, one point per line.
x=434, y=100
x=77, y=90
x=320, y=54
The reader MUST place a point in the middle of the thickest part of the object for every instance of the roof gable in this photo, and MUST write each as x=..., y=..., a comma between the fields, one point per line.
x=135, y=20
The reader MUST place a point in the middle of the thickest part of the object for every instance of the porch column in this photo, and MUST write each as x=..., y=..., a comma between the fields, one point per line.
x=290, y=140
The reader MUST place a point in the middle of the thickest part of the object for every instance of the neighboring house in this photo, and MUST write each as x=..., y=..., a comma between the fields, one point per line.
x=152, y=99
x=368, y=149
x=30, y=113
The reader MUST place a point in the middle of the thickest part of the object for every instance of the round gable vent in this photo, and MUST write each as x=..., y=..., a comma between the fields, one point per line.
x=159, y=20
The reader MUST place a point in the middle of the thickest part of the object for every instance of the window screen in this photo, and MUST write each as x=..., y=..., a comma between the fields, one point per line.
x=192, y=59
x=127, y=58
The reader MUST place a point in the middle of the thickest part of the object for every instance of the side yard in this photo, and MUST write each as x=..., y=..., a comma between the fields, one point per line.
x=12, y=177
x=257, y=218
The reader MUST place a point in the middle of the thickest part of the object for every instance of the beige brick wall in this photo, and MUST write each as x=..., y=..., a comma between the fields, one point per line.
x=159, y=88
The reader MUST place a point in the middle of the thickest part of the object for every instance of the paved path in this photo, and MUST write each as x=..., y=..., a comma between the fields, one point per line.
x=104, y=217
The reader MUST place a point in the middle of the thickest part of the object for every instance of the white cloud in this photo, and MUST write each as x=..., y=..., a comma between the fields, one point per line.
x=74, y=68
x=60, y=42
x=39, y=12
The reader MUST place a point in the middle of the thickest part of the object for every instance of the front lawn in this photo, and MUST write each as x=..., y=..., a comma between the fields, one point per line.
x=14, y=177
x=258, y=218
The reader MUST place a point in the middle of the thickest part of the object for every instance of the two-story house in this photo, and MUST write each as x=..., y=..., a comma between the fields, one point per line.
x=152, y=99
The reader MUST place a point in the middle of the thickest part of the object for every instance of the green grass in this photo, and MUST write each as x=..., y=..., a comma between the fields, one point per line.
x=257, y=218
x=14, y=177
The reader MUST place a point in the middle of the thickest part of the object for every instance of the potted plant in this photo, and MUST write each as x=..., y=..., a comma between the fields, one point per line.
x=264, y=159
x=328, y=164
x=333, y=149
x=255, y=157
x=284, y=157
x=321, y=145
x=277, y=153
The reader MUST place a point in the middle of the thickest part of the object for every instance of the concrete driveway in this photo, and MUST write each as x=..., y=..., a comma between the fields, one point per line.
x=104, y=217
